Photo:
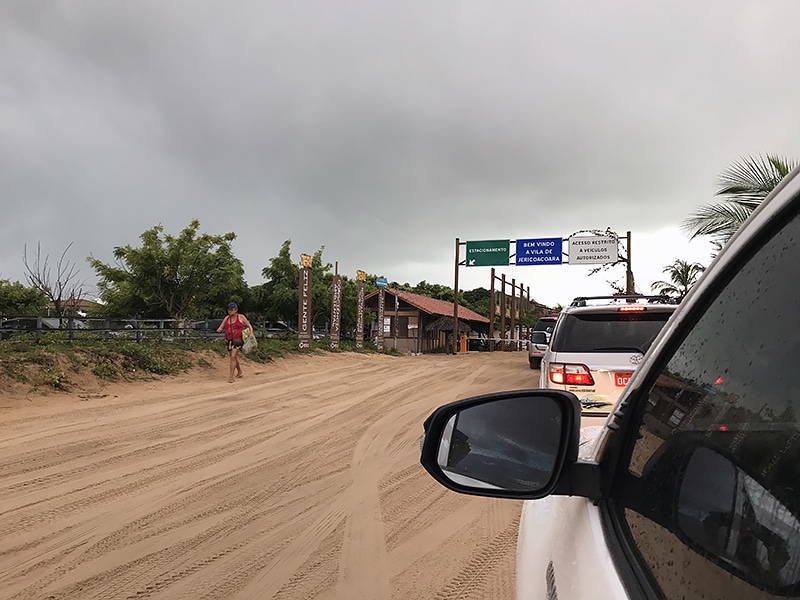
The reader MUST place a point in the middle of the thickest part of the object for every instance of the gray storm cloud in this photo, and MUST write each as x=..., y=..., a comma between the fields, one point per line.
x=343, y=124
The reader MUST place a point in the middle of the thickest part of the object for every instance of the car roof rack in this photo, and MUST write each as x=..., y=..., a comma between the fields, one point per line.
x=661, y=299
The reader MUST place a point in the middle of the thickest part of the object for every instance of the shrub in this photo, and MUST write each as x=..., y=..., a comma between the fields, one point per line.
x=107, y=370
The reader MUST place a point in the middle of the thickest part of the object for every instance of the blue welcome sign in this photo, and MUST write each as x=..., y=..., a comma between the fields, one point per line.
x=539, y=251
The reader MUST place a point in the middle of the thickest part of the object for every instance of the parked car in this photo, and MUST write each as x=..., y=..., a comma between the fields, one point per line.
x=29, y=324
x=536, y=344
x=117, y=328
x=598, y=342
x=208, y=328
x=690, y=488
x=275, y=328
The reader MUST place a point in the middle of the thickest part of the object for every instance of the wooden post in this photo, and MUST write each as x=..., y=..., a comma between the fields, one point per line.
x=381, y=312
x=522, y=312
x=630, y=288
x=455, y=304
x=503, y=311
x=361, y=277
x=512, y=327
x=492, y=308
x=396, y=314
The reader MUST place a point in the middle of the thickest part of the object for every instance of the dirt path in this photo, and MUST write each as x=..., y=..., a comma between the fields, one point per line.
x=299, y=481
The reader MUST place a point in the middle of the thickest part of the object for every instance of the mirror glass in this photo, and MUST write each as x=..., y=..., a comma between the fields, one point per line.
x=731, y=517
x=538, y=337
x=510, y=444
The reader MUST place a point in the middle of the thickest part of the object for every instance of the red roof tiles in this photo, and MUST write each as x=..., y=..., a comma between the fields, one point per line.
x=433, y=306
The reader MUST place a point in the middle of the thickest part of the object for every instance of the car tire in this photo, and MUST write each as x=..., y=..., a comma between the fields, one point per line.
x=535, y=362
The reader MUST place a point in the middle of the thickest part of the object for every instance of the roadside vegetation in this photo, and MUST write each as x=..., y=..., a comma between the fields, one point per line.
x=58, y=363
x=193, y=276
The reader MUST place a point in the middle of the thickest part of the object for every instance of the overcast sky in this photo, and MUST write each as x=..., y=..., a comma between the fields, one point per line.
x=383, y=130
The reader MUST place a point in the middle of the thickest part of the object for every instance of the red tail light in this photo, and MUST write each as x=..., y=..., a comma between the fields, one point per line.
x=632, y=308
x=566, y=374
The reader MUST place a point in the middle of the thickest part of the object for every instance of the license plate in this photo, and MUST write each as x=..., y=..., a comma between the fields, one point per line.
x=622, y=379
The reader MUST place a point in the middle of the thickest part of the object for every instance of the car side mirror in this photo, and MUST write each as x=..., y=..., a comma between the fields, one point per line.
x=507, y=445
x=717, y=508
x=727, y=515
x=539, y=337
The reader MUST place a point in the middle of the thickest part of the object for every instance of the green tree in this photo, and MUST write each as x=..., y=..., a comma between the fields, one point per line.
x=277, y=298
x=18, y=300
x=433, y=290
x=279, y=295
x=478, y=300
x=743, y=185
x=682, y=276
x=171, y=277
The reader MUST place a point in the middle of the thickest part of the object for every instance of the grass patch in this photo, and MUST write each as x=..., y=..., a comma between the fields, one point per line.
x=50, y=362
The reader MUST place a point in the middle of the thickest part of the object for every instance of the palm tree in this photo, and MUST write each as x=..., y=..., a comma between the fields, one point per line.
x=682, y=275
x=745, y=184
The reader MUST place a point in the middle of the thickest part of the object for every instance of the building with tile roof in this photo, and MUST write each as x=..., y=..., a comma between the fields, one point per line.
x=415, y=323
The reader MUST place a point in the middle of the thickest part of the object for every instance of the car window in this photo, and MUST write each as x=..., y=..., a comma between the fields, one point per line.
x=22, y=323
x=545, y=324
x=712, y=491
x=608, y=332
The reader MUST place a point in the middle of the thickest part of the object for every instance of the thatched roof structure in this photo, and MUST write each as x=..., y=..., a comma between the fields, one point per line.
x=445, y=323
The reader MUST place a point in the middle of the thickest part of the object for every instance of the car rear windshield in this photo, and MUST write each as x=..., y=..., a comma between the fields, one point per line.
x=545, y=324
x=615, y=332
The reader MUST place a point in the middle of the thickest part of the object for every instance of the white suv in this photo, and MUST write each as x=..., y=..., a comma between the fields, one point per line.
x=690, y=489
x=597, y=344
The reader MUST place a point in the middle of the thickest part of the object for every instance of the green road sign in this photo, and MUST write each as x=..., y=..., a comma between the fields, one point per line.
x=488, y=253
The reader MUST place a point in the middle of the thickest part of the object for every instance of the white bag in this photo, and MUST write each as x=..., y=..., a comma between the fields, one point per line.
x=250, y=341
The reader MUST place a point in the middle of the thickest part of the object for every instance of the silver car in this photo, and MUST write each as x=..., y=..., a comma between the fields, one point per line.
x=597, y=344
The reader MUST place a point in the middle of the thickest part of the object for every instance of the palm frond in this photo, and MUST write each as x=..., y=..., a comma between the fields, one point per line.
x=720, y=220
x=751, y=180
x=744, y=185
x=662, y=287
x=683, y=276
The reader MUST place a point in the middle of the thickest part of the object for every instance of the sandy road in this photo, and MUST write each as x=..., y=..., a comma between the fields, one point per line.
x=300, y=481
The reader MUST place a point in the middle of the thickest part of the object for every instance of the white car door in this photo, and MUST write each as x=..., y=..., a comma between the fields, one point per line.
x=561, y=550
x=562, y=554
